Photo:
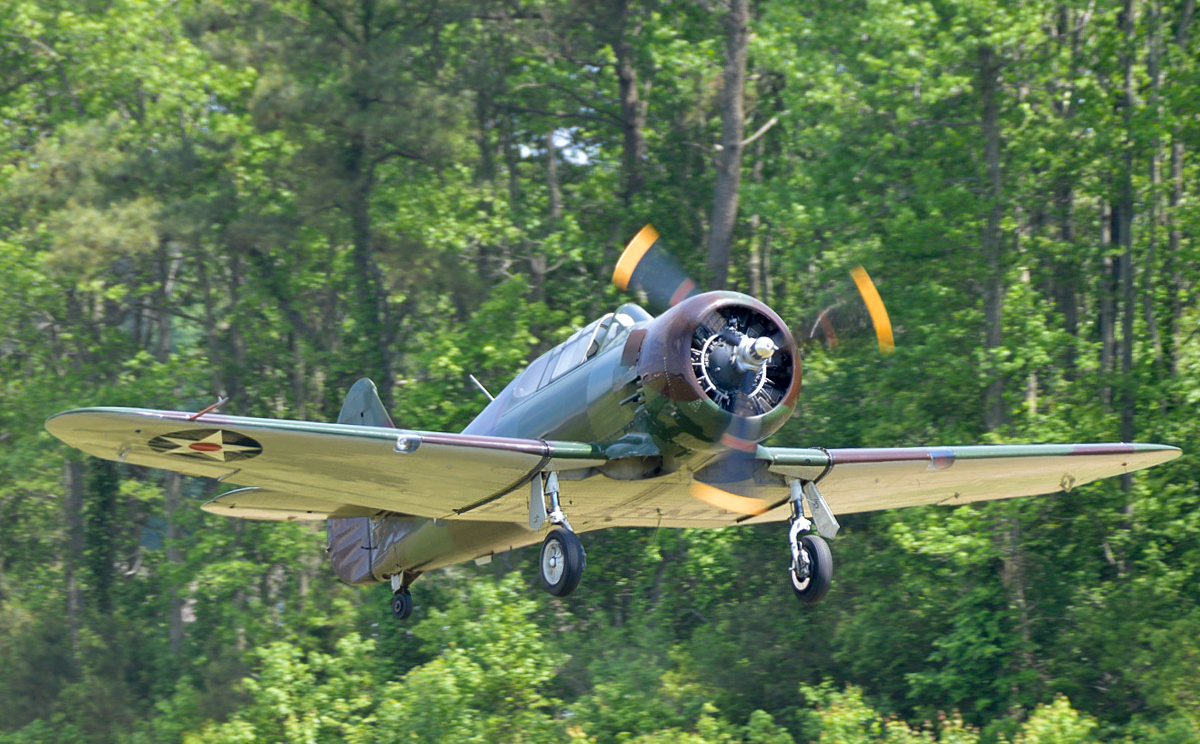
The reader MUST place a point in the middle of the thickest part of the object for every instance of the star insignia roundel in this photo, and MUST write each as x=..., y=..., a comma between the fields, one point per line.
x=207, y=444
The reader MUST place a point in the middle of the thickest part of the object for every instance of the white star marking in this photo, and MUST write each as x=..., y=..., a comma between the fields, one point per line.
x=212, y=446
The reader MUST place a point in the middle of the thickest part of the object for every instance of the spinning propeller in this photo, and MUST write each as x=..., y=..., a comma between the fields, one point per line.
x=742, y=358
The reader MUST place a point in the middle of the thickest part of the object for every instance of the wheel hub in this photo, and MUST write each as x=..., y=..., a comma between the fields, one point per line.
x=552, y=562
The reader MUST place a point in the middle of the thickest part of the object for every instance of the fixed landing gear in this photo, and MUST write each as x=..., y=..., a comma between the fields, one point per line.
x=562, y=559
x=812, y=562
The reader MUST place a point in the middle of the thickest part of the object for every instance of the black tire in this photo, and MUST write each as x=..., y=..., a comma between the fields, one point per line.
x=814, y=587
x=402, y=605
x=561, y=562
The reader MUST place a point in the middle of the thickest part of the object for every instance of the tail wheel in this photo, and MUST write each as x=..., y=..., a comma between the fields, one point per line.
x=402, y=605
x=818, y=575
x=562, y=562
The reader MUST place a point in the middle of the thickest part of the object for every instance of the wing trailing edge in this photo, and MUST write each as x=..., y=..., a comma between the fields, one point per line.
x=259, y=503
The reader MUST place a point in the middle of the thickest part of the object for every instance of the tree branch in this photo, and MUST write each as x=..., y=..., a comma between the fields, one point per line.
x=761, y=131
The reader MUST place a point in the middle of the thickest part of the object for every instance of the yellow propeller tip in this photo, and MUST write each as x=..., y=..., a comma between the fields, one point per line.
x=632, y=256
x=714, y=496
x=876, y=308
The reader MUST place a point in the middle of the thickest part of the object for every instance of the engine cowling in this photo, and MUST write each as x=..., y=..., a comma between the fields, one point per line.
x=709, y=378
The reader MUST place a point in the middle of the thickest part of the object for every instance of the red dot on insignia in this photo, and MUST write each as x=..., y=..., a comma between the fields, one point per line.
x=205, y=447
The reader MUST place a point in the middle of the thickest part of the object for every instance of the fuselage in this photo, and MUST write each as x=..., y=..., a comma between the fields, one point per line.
x=656, y=394
x=639, y=385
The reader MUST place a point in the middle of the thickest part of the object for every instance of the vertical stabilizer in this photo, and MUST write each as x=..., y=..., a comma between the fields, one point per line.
x=363, y=406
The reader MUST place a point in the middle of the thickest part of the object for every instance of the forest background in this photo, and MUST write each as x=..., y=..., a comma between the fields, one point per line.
x=267, y=199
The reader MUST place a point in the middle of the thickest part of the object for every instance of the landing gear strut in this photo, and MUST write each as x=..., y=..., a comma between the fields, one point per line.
x=812, y=562
x=562, y=559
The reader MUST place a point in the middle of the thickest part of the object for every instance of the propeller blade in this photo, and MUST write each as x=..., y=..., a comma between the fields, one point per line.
x=646, y=266
x=879, y=314
x=742, y=361
x=714, y=496
x=852, y=311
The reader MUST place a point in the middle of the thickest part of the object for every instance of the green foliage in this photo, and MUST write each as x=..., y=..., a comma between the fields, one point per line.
x=846, y=718
x=268, y=200
x=1056, y=723
x=484, y=683
x=303, y=697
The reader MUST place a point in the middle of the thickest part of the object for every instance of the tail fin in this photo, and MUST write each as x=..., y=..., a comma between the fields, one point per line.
x=363, y=406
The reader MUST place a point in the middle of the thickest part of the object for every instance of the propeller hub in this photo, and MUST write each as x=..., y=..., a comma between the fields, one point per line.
x=753, y=353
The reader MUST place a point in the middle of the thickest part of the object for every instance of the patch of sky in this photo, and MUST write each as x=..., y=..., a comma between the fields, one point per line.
x=571, y=149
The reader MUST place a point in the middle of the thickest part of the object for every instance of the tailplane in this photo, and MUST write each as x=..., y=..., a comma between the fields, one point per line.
x=352, y=545
x=363, y=406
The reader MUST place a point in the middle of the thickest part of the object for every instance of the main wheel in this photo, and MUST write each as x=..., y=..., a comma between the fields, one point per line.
x=402, y=605
x=813, y=587
x=562, y=562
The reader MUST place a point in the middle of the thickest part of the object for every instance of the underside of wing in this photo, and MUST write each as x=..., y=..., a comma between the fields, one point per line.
x=305, y=470
x=300, y=469
x=860, y=480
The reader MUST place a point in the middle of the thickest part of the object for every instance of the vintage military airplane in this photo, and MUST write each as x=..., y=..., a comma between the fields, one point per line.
x=634, y=420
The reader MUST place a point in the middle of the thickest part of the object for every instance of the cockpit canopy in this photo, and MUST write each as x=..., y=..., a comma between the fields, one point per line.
x=584, y=344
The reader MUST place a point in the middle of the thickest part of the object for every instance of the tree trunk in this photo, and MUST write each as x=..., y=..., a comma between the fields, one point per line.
x=757, y=238
x=172, y=494
x=1108, y=303
x=992, y=238
x=1124, y=229
x=553, y=192
x=1014, y=577
x=633, y=109
x=1154, y=211
x=1066, y=291
x=1171, y=271
x=73, y=487
x=729, y=159
x=102, y=531
x=170, y=258
x=483, y=138
x=371, y=296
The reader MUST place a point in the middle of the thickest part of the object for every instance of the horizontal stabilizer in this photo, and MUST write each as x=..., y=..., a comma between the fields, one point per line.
x=260, y=503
